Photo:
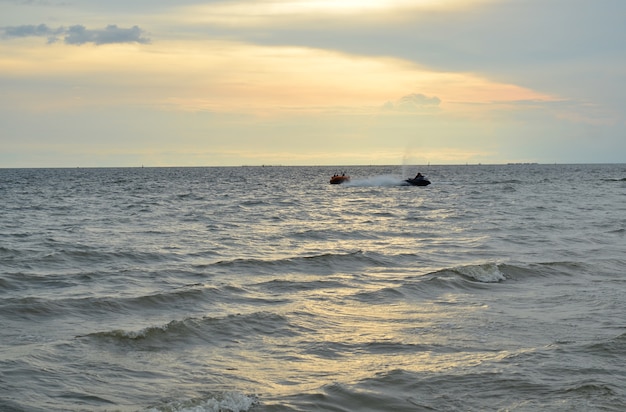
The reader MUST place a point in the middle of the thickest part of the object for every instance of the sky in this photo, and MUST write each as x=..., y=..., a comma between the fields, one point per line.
x=92, y=83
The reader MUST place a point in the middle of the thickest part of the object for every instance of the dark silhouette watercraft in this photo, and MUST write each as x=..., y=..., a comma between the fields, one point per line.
x=418, y=180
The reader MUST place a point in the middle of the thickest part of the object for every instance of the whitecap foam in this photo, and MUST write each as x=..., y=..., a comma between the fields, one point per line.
x=485, y=273
x=226, y=402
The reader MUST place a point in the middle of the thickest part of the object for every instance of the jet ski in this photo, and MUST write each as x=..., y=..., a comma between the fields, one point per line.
x=418, y=180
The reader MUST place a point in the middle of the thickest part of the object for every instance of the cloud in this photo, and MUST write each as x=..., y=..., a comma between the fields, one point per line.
x=111, y=34
x=31, y=30
x=413, y=103
x=79, y=34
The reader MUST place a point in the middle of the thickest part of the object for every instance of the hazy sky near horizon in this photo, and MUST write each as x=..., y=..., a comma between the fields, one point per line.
x=294, y=82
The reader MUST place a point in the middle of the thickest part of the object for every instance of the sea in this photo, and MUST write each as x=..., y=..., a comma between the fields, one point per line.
x=495, y=288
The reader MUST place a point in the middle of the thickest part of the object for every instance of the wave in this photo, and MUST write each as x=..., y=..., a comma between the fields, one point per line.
x=225, y=402
x=506, y=181
x=58, y=255
x=26, y=281
x=289, y=286
x=387, y=294
x=488, y=272
x=473, y=277
x=552, y=269
x=302, y=274
x=325, y=234
x=32, y=307
x=409, y=390
x=615, y=347
x=483, y=273
x=493, y=272
x=211, y=330
x=429, y=285
x=330, y=262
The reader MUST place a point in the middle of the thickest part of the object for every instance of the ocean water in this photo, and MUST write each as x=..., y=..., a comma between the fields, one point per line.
x=496, y=288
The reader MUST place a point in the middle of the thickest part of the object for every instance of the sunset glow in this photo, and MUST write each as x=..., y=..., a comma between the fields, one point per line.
x=395, y=65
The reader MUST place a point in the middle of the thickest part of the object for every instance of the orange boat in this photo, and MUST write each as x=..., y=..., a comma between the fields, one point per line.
x=337, y=179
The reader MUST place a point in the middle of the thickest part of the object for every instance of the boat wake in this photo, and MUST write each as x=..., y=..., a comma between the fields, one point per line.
x=382, y=180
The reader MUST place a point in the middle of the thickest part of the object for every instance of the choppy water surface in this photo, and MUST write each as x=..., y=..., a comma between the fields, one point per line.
x=267, y=289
